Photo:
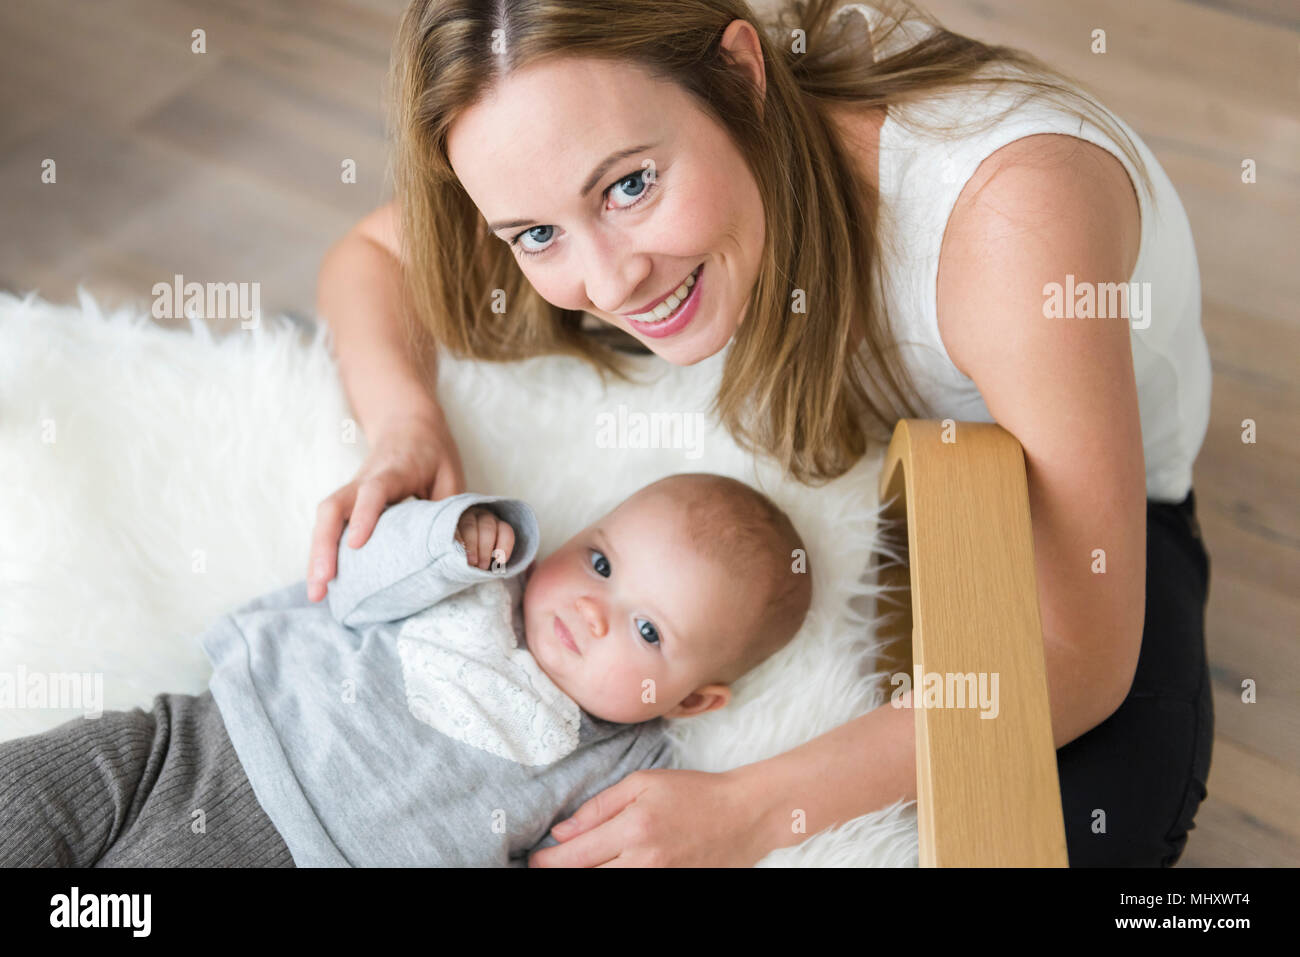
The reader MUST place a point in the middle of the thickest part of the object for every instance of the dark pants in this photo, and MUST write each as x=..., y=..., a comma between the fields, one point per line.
x=157, y=788
x=1145, y=767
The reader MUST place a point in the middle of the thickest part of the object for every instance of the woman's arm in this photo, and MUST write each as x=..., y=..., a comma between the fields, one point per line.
x=1065, y=388
x=1036, y=210
x=1039, y=210
x=360, y=293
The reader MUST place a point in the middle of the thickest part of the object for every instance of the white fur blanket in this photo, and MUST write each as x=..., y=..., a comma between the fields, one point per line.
x=151, y=480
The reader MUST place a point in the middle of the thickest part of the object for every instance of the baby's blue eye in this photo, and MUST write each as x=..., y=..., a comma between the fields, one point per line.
x=600, y=563
x=648, y=631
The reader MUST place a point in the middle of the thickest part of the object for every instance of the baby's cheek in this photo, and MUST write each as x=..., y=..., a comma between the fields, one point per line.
x=615, y=692
x=642, y=691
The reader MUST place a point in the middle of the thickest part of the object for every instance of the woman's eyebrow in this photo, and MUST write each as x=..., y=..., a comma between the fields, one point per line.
x=601, y=169
x=609, y=161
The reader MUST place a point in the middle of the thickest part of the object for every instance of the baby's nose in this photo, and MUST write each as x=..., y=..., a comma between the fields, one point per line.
x=595, y=618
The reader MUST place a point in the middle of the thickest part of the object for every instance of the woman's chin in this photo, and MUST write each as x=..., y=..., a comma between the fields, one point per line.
x=687, y=350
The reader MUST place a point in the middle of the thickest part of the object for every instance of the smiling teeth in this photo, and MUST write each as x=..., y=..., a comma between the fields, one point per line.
x=669, y=305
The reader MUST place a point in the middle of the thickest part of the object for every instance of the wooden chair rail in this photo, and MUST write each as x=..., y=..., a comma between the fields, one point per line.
x=987, y=787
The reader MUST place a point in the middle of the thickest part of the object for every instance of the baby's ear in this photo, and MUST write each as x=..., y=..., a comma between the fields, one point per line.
x=701, y=701
x=722, y=695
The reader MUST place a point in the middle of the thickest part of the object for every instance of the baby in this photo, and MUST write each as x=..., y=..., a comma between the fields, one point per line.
x=445, y=706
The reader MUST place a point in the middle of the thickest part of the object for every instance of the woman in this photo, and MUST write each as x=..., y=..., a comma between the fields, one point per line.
x=879, y=218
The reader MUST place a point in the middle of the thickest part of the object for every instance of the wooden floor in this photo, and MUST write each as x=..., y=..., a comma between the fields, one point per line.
x=225, y=166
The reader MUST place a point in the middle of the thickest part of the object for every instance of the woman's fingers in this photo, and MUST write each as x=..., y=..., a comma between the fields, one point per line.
x=372, y=499
x=600, y=846
x=330, y=515
x=598, y=809
x=449, y=481
x=599, y=831
x=411, y=458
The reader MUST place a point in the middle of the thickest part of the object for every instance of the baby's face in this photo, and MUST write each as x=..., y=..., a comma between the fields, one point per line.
x=648, y=618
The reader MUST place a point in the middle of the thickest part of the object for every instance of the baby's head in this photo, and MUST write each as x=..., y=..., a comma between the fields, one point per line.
x=668, y=599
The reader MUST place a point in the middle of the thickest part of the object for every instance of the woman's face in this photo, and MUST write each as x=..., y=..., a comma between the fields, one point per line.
x=612, y=189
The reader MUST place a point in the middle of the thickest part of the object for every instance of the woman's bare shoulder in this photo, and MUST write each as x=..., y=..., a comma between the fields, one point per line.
x=383, y=226
x=1046, y=203
x=1043, y=176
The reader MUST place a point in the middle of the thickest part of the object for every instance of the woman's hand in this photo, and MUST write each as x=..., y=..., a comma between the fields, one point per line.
x=663, y=818
x=414, y=456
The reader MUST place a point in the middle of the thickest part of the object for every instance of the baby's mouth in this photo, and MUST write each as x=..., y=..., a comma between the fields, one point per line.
x=565, y=636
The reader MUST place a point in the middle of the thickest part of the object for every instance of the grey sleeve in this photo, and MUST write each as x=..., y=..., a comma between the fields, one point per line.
x=411, y=559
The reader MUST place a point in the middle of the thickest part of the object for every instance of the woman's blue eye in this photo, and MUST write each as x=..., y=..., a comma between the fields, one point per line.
x=529, y=233
x=600, y=563
x=643, y=182
x=639, y=184
x=648, y=631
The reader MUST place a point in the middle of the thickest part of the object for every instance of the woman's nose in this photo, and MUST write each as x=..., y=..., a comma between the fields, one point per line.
x=613, y=275
x=595, y=618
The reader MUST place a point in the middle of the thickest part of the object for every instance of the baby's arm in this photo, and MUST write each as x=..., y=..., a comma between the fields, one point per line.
x=415, y=558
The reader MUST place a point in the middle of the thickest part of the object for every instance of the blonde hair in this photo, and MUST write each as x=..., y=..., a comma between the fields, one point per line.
x=792, y=386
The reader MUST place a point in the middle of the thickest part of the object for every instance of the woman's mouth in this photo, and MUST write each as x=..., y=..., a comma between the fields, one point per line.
x=674, y=312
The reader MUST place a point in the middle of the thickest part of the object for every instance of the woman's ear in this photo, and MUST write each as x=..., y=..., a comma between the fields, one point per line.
x=741, y=46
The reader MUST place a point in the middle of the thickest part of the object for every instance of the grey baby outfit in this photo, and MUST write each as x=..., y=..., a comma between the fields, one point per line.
x=400, y=722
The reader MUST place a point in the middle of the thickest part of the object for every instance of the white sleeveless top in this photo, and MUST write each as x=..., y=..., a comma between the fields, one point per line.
x=921, y=176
